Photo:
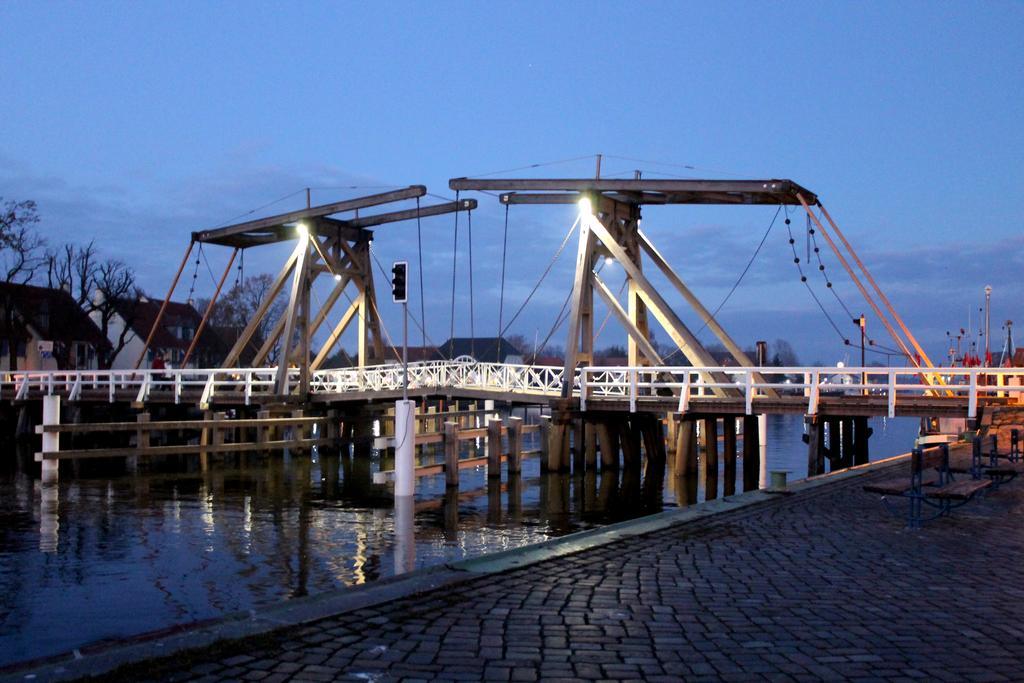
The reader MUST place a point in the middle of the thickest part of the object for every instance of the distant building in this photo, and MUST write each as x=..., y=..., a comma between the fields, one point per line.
x=171, y=339
x=481, y=349
x=47, y=330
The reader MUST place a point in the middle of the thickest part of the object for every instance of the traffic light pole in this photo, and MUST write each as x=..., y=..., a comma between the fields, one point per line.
x=405, y=351
x=405, y=410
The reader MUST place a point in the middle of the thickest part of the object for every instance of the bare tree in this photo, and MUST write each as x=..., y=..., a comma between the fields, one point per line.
x=104, y=289
x=784, y=355
x=115, y=293
x=21, y=257
x=236, y=308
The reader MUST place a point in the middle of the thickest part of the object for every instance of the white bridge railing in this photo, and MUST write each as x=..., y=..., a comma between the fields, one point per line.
x=533, y=380
x=73, y=383
x=592, y=384
x=637, y=384
x=536, y=380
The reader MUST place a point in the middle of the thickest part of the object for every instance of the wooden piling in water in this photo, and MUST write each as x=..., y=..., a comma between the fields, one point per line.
x=710, y=459
x=589, y=446
x=629, y=442
x=545, y=439
x=451, y=454
x=860, y=440
x=579, y=435
x=847, y=442
x=608, y=443
x=751, y=452
x=686, y=449
x=815, y=445
x=729, y=453
x=515, y=447
x=493, y=449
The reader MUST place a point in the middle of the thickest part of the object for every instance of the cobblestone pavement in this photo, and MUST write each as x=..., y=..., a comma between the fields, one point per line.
x=821, y=585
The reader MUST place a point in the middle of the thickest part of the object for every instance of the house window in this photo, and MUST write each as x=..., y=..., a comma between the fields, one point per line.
x=82, y=355
x=5, y=348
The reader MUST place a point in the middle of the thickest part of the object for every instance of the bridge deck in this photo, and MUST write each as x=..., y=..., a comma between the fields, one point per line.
x=722, y=390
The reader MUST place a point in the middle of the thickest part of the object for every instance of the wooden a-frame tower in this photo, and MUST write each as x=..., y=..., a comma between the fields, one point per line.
x=610, y=212
x=338, y=248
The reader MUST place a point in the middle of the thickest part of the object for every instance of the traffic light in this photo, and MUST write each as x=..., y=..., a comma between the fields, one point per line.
x=398, y=290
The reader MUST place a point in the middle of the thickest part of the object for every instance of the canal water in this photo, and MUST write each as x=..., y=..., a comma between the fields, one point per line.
x=103, y=556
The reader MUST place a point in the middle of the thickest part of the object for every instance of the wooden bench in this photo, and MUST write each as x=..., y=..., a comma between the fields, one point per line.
x=931, y=484
x=998, y=472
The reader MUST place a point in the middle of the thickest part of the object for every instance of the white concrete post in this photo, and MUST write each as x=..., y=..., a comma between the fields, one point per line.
x=51, y=440
x=405, y=449
x=489, y=408
x=762, y=447
x=405, y=537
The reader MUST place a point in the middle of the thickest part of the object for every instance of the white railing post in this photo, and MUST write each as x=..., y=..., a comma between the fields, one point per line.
x=143, y=389
x=110, y=387
x=248, y=386
x=812, y=403
x=632, y=390
x=51, y=440
x=208, y=389
x=684, y=395
x=748, y=379
x=583, y=389
x=892, y=393
x=972, y=396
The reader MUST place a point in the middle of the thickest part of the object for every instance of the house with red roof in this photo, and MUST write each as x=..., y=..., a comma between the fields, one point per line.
x=44, y=329
x=133, y=320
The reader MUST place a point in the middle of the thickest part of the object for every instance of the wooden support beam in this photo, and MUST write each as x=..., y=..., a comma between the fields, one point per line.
x=333, y=337
x=856, y=281
x=878, y=290
x=640, y=339
x=662, y=264
x=163, y=306
x=410, y=214
x=142, y=435
x=271, y=222
x=257, y=317
x=281, y=386
x=681, y=335
x=209, y=309
x=773, y=191
x=581, y=280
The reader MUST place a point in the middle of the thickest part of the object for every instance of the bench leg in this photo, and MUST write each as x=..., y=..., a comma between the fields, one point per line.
x=915, y=513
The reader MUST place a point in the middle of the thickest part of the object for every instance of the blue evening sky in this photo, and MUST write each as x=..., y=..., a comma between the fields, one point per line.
x=137, y=123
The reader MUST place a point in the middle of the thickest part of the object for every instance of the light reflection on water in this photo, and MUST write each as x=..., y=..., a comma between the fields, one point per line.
x=104, y=556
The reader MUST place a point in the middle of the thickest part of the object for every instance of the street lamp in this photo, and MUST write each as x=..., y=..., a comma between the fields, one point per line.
x=988, y=326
